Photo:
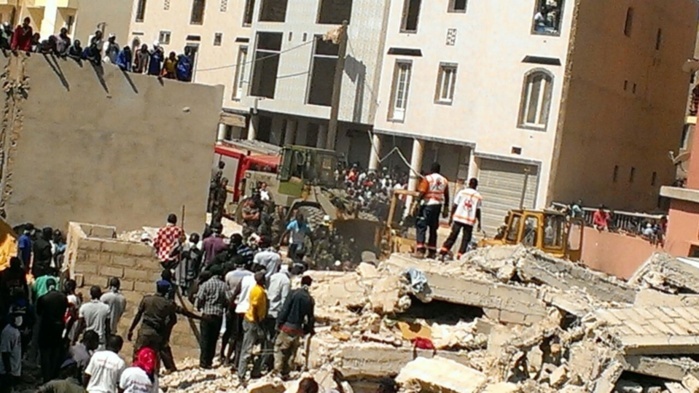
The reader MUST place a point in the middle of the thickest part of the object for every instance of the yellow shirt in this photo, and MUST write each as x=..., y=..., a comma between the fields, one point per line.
x=258, y=305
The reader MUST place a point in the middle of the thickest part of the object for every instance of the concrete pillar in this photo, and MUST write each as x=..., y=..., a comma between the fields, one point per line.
x=415, y=167
x=323, y=137
x=416, y=163
x=290, y=137
x=472, y=165
x=254, y=124
x=301, y=132
x=374, y=152
x=221, y=135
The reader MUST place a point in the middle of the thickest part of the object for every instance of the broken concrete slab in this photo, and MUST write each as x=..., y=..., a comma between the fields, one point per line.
x=672, y=369
x=539, y=267
x=607, y=381
x=368, y=360
x=675, y=387
x=652, y=298
x=691, y=383
x=667, y=273
x=441, y=375
x=502, y=387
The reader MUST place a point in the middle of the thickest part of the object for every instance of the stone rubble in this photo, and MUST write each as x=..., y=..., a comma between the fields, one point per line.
x=501, y=320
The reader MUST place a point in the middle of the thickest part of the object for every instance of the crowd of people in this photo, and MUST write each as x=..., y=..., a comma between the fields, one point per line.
x=98, y=50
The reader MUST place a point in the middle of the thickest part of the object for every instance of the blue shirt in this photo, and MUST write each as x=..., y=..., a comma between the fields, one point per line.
x=298, y=232
x=155, y=63
x=24, y=246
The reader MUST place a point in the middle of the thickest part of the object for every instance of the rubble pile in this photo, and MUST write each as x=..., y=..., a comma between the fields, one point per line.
x=503, y=319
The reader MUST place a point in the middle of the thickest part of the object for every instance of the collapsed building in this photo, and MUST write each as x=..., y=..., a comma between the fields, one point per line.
x=503, y=319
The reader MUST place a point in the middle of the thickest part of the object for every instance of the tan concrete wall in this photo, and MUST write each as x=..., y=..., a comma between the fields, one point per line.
x=606, y=126
x=616, y=254
x=94, y=145
x=94, y=257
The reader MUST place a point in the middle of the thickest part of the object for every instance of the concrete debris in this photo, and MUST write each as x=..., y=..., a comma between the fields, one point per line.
x=441, y=375
x=500, y=320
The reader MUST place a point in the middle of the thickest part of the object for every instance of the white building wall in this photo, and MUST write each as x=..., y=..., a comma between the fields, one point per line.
x=493, y=37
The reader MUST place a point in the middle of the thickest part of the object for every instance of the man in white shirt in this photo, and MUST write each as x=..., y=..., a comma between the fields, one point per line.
x=465, y=212
x=242, y=303
x=11, y=352
x=269, y=258
x=104, y=370
x=116, y=303
x=277, y=292
x=94, y=315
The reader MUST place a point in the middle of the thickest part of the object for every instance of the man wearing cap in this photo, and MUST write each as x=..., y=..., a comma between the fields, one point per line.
x=66, y=382
x=158, y=317
x=11, y=352
x=212, y=301
x=51, y=309
x=295, y=320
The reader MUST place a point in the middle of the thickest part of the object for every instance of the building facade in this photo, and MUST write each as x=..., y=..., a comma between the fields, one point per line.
x=542, y=100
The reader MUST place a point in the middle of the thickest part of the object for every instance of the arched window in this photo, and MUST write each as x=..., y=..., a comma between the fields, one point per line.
x=536, y=99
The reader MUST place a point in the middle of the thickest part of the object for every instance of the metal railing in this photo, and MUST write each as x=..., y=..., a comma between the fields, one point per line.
x=631, y=223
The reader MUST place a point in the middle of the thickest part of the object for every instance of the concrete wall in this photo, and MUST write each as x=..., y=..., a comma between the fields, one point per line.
x=605, y=122
x=683, y=229
x=616, y=254
x=94, y=257
x=97, y=145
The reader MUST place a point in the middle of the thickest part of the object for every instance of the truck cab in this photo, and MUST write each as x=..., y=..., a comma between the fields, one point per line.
x=550, y=231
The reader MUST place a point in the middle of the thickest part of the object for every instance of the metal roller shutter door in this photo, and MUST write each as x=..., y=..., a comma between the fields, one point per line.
x=501, y=184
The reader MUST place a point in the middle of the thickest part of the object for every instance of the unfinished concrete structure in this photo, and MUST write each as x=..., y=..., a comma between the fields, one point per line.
x=93, y=144
x=94, y=255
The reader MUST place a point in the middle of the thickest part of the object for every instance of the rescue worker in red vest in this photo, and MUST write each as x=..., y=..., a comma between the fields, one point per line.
x=465, y=212
x=434, y=199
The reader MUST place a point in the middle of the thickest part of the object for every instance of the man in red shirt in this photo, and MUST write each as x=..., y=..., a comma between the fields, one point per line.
x=167, y=240
x=600, y=219
x=22, y=37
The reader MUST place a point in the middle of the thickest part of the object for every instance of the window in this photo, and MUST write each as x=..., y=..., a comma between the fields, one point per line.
x=249, y=10
x=263, y=81
x=536, y=99
x=411, y=15
x=457, y=5
x=70, y=22
x=325, y=55
x=273, y=10
x=547, y=17
x=628, y=25
x=654, y=179
x=615, y=175
x=632, y=174
x=530, y=231
x=141, y=10
x=659, y=39
x=554, y=231
x=446, y=82
x=218, y=37
x=513, y=229
x=164, y=38
x=240, y=73
x=197, y=17
x=333, y=12
x=401, y=87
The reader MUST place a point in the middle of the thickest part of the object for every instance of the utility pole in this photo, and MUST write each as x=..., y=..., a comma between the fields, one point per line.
x=337, y=87
x=527, y=171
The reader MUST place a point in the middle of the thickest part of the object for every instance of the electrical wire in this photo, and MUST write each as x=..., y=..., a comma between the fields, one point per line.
x=235, y=65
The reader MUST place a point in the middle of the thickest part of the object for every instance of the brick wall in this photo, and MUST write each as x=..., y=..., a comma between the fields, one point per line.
x=94, y=256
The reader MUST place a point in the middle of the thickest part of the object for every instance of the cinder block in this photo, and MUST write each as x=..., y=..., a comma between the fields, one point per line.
x=115, y=247
x=136, y=274
x=102, y=232
x=124, y=260
x=91, y=279
x=141, y=250
x=86, y=267
x=112, y=271
x=144, y=287
x=127, y=285
x=146, y=263
x=90, y=244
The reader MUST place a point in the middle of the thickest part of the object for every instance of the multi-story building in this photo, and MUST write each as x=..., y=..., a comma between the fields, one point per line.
x=542, y=100
x=80, y=17
x=546, y=100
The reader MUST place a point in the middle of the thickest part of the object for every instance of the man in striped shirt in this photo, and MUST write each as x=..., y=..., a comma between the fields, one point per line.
x=212, y=301
x=465, y=212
